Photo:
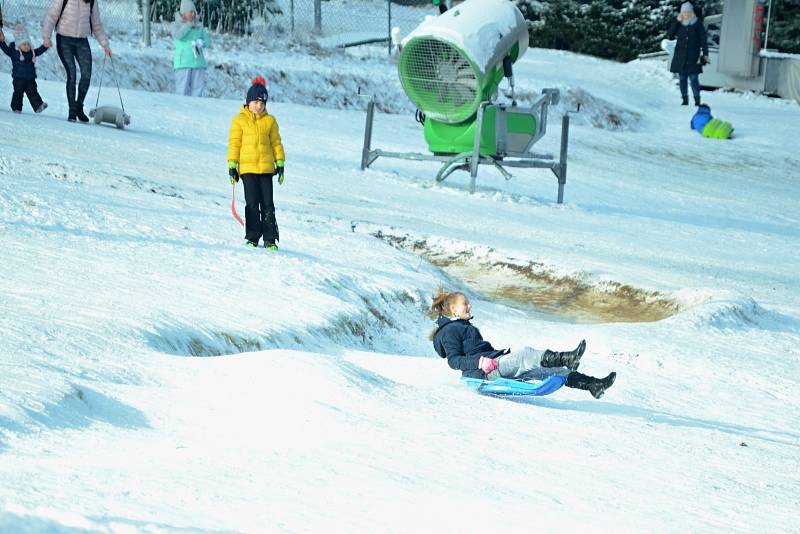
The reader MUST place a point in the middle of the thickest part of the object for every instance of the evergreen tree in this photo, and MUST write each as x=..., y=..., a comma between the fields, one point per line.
x=614, y=29
x=784, y=26
x=623, y=29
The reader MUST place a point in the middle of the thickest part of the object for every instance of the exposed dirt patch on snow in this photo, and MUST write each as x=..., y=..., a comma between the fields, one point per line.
x=536, y=285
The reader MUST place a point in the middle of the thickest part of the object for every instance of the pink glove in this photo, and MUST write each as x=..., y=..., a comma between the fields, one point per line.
x=487, y=365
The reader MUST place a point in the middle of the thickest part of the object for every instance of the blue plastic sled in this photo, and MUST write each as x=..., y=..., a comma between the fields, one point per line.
x=506, y=386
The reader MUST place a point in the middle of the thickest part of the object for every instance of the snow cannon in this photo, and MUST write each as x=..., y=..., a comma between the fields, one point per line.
x=451, y=67
x=452, y=63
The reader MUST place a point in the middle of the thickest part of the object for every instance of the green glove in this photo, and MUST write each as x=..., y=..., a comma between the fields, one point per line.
x=232, y=172
x=279, y=171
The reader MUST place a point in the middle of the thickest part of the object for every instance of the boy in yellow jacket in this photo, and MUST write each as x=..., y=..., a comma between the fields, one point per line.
x=255, y=153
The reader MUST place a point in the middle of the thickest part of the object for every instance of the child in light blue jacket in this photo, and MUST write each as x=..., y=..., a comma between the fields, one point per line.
x=190, y=39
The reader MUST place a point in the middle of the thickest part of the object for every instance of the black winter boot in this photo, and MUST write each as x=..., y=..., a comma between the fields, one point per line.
x=571, y=359
x=697, y=101
x=81, y=115
x=595, y=386
x=684, y=100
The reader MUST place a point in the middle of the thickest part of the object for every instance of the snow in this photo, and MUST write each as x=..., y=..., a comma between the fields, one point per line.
x=775, y=54
x=159, y=377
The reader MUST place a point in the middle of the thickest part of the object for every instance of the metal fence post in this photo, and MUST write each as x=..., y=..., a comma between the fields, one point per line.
x=368, y=134
x=318, y=16
x=291, y=8
x=389, y=29
x=146, y=22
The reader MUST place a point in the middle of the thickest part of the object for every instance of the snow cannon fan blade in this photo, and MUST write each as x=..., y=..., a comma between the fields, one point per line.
x=430, y=71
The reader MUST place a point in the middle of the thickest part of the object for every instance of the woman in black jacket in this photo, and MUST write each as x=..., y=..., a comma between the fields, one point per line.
x=458, y=340
x=687, y=62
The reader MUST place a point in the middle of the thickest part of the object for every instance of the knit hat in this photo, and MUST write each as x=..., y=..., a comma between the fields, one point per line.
x=20, y=35
x=257, y=91
x=187, y=6
x=687, y=7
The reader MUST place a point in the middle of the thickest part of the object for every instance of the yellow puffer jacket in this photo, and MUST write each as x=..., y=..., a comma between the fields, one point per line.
x=255, y=142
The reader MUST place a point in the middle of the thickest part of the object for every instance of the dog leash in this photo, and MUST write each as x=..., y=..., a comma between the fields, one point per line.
x=116, y=81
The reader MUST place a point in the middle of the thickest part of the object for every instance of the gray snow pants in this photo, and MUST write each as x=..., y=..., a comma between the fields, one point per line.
x=525, y=363
x=190, y=82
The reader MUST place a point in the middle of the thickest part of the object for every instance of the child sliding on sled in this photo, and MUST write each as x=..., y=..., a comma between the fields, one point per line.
x=255, y=153
x=456, y=339
x=707, y=126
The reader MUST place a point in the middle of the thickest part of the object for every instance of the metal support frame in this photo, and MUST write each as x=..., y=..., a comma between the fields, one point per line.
x=561, y=170
x=470, y=160
x=476, y=147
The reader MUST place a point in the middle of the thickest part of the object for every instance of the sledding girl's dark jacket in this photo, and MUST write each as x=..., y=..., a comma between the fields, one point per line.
x=691, y=40
x=462, y=344
x=22, y=65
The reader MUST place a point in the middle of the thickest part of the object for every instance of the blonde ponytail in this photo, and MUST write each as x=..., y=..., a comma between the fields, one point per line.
x=442, y=303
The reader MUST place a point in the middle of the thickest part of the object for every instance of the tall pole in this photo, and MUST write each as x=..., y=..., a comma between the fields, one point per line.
x=766, y=32
x=318, y=16
x=389, y=29
x=146, y=22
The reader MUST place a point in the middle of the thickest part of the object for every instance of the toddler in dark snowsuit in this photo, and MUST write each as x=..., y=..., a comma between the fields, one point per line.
x=23, y=69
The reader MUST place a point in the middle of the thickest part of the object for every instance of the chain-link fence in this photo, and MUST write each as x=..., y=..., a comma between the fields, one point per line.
x=329, y=23
x=352, y=22
x=118, y=16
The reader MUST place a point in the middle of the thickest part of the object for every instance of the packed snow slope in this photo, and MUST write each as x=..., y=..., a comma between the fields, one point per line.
x=157, y=376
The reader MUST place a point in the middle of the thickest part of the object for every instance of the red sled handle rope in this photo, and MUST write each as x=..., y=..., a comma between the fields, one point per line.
x=233, y=206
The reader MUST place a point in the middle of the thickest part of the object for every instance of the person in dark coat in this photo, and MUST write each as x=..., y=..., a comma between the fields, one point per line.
x=687, y=61
x=23, y=69
x=461, y=343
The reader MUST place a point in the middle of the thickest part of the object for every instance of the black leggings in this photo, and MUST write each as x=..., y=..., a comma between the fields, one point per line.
x=259, y=210
x=70, y=50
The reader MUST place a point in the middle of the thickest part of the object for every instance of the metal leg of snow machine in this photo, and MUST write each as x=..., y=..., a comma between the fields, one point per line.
x=469, y=161
x=561, y=169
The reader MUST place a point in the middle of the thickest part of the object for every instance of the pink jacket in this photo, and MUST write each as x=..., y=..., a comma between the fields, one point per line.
x=74, y=21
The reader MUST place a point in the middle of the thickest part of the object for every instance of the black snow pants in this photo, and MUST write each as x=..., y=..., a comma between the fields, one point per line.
x=259, y=210
x=27, y=88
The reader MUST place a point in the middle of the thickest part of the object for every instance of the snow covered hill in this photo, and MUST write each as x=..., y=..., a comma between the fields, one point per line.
x=157, y=376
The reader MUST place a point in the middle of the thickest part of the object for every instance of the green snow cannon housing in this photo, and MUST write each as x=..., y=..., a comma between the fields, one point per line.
x=451, y=63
